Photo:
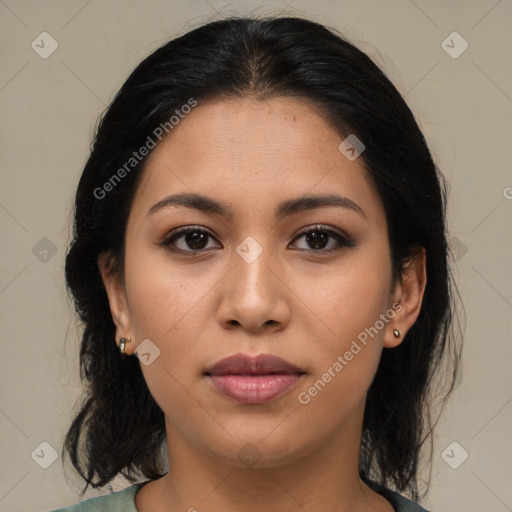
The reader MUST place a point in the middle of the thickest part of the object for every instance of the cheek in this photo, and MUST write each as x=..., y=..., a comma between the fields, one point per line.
x=349, y=299
x=166, y=308
x=347, y=355
x=348, y=327
x=163, y=299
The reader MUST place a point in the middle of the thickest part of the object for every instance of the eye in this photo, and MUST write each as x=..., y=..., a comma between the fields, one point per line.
x=193, y=237
x=318, y=238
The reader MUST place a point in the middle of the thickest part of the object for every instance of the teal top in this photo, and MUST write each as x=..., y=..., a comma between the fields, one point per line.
x=124, y=501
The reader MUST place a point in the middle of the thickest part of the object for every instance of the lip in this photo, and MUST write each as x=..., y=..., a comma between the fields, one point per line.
x=254, y=380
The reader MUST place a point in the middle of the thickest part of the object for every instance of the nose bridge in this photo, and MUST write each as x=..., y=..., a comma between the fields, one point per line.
x=253, y=296
x=252, y=260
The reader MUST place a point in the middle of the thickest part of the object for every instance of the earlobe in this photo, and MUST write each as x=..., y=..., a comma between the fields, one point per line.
x=407, y=298
x=116, y=297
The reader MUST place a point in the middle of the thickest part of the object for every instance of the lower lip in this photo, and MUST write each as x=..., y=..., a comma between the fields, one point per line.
x=255, y=389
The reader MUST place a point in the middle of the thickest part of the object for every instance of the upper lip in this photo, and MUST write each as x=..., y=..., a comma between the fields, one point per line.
x=243, y=364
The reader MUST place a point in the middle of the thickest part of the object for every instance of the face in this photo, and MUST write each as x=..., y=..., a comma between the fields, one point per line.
x=247, y=278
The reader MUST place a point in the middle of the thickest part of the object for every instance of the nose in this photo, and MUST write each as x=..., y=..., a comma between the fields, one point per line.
x=254, y=296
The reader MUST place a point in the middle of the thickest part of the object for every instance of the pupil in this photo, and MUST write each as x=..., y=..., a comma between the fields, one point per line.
x=196, y=238
x=317, y=239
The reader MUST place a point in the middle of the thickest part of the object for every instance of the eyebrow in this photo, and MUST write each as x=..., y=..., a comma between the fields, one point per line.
x=289, y=207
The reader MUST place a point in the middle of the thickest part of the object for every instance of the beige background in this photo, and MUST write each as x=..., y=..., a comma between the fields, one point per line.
x=49, y=108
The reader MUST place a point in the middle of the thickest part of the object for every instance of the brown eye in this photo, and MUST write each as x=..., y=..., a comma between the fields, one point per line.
x=317, y=239
x=321, y=239
x=191, y=239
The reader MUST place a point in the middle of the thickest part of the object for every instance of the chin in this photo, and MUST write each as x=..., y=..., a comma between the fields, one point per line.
x=261, y=448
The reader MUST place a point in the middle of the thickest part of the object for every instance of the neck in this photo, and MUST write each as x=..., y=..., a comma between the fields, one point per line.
x=326, y=478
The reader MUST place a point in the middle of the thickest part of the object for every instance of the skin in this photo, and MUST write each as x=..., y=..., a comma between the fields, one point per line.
x=301, y=304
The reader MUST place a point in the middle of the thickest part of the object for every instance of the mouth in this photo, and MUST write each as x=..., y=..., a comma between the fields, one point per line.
x=254, y=380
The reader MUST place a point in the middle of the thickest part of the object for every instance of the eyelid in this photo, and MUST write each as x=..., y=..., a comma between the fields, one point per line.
x=342, y=238
x=322, y=227
x=183, y=230
x=188, y=227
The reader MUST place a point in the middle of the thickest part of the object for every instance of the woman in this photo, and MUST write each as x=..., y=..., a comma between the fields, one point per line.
x=261, y=224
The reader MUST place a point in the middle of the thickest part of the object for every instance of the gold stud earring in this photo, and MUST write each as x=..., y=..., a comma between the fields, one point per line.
x=122, y=344
x=396, y=333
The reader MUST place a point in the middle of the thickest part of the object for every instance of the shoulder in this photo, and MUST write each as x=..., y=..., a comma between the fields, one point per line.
x=120, y=501
x=401, y=503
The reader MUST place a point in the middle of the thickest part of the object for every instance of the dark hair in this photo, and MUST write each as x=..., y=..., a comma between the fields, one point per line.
x=120, y=428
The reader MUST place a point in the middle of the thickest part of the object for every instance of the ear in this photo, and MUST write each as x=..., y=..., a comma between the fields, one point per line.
x=117, y=299
x=407, y=298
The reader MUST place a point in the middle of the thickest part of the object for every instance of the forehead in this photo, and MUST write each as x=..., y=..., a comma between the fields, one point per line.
x=246, y=150
x=284, y=126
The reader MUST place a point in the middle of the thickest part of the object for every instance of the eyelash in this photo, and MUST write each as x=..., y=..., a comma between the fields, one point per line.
x=342, y=241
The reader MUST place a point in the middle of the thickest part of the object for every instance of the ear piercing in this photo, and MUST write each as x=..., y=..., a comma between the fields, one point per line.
x=396, y=333
x=122, y=344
